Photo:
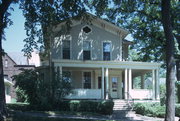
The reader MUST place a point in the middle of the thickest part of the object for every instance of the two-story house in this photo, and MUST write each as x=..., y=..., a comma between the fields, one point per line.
x=95, y=54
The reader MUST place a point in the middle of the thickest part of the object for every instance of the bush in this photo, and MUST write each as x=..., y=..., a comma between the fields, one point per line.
x=39, y=91
x=102, y=106
x=177, y=110
x=18, y=106
x=96, y=106
x=150, y=109
x=163, y=94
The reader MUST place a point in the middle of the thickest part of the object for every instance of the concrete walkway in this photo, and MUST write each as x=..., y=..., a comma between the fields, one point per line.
x=117, y=116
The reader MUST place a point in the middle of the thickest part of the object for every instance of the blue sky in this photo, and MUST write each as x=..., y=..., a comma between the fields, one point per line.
x=15, y=34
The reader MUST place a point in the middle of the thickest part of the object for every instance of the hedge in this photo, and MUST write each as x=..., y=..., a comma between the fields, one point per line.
x=98, y=106
x=153, y=109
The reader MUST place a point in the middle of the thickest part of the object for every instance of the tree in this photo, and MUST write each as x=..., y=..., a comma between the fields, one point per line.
x=144, y=19
x=4, y=22
x=170, y=61
x=36, y=88
x=41, y=16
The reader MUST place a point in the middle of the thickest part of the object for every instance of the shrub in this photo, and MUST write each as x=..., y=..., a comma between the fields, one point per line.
x=163, y=94
x=18, y=106
x=39, y=91
x=105, y=107
x=177, y=110
x=150, y=109
x=98, y=106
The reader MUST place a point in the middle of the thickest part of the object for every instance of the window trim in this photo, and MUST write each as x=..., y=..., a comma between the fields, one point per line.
x=103, y=50
x=90, y=49
x=83, y=78
x=70, y=49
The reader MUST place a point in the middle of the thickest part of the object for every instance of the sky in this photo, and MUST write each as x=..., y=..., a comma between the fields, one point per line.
x=15, y=34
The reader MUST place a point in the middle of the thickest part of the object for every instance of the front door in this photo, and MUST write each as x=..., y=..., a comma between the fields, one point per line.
x=116, y=89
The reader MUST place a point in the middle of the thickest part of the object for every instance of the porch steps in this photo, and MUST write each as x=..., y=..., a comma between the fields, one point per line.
x=121, y=105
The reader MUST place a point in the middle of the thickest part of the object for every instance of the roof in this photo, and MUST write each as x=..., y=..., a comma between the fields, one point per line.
x=18, y=58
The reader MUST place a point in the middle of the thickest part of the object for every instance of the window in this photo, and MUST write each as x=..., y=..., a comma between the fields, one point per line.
x=7, y=90
x=86, y=50
x=6, y=63
x=66, y=49
x=6, y=76
x=87, y=80
x=114, y=84
x=106, y=50
x=86, y=29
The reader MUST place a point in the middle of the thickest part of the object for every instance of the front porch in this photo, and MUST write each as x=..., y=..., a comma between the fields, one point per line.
x=119, y=82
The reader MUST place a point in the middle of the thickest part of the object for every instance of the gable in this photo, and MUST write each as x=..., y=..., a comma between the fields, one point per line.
x=98, y=22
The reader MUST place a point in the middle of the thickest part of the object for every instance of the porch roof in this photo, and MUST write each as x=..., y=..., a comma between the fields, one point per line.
x=106, y=64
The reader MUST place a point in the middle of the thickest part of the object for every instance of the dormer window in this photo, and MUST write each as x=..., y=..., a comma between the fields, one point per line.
x=86, y=29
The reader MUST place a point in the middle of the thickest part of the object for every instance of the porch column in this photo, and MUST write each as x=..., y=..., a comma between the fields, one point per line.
x=142, y=81
x=157, y=85
x=153, y=84
x=125, y=84
x=107, y=83
x=102, y=83
x=60, y=70
x=130, y=82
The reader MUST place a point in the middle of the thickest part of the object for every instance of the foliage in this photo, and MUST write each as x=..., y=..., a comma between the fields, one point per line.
x=104, y=107
x=101, y=106
x=150, y=109
x=42, y=15
x=21, y=96
x=153, y=109
x=162, y=94
x=18, y=106
x=177, y=110
x=40, y=91
x=178, y=91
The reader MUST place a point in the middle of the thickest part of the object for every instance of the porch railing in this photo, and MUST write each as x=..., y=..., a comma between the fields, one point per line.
x=85, y=94
x=130, y=100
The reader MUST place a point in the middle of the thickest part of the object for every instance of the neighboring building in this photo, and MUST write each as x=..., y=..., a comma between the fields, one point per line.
x=96, y=49
x=12, y=65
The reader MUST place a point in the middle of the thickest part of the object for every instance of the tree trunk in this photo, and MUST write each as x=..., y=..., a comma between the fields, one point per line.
x=3, y=9
x=170, y=61
x=2, y=87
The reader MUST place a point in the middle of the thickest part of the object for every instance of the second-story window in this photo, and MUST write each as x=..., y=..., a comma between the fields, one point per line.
x=106, y=51
x=66, y=49
x=86, y=50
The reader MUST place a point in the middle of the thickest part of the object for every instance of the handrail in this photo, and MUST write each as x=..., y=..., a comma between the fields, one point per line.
x=130, y=100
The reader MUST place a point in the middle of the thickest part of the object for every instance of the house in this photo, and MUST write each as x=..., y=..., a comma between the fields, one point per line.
x=12, y=65
x=95, y=53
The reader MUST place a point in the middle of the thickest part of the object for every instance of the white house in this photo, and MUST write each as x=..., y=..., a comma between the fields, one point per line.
x=94, y=49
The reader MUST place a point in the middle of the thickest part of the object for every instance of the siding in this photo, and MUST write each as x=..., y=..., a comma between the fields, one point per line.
x=97, y=36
